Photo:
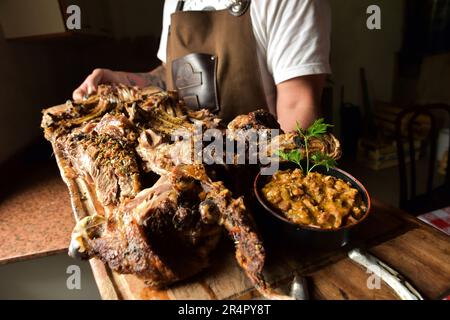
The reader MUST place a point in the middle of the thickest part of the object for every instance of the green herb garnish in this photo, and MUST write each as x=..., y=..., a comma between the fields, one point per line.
x=317, y=129
x=321, y=159
x=292, y=156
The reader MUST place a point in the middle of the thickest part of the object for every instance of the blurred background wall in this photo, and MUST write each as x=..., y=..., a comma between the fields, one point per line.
x=354, y=46
x=26, y=84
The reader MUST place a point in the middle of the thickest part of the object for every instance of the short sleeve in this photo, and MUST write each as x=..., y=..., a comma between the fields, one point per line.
x=297, y=37
x=169, y=7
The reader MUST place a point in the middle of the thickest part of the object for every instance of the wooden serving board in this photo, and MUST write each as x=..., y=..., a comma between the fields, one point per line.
x=416, y=250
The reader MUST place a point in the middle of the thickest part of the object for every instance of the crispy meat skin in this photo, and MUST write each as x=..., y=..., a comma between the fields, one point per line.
x=163, y=232
x=137, y=238
x=184, y=206
x=259, y=119
x=161, y=156
x=104, y=155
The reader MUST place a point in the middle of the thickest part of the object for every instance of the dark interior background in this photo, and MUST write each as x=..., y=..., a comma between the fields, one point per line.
x=41, y=71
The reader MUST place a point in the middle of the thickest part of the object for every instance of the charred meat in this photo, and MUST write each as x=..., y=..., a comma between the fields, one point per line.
x=162, y=231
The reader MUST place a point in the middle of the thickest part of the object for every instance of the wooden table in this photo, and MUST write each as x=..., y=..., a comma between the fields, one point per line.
x=419, y=252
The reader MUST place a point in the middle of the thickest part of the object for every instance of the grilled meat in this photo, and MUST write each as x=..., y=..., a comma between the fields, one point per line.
x=158, y=236
x=326, y=144
x=256, y=120
x=104, y=155
x=161, y=232
x=161, y=156
x=106, y=162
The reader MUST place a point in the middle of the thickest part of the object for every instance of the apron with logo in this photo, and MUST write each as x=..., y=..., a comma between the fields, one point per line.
x=212, y=60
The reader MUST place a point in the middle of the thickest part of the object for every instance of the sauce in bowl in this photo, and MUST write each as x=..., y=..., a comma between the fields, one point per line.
x=314, y=200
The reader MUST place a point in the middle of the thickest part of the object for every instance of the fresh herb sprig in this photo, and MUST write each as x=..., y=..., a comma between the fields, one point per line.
x=317, y=129
x=292, y=156
x=321, y=159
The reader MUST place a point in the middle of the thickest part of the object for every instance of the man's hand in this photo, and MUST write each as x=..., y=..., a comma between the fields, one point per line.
x=298, y=99
x=97, y=77
x=155, y=77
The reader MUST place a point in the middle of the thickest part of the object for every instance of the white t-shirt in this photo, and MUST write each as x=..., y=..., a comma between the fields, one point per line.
x=292, y=37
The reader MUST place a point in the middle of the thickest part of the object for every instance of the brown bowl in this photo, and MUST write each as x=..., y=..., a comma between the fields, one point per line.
x=307, y=236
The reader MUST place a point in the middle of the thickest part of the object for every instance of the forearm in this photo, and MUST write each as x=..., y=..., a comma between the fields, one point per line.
x=298, y=100
x=298, y=111
x=156, y=77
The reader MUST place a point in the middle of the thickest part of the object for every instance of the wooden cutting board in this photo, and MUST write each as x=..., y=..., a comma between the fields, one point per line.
x=416, y=250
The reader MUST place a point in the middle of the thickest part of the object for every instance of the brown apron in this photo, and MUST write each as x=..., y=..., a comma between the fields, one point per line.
x=212, y=60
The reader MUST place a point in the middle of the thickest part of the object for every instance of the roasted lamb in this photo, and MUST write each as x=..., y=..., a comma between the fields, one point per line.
x=162, y=229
